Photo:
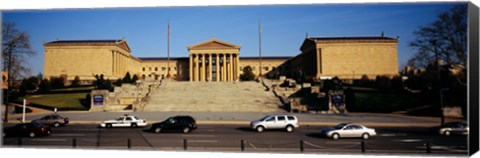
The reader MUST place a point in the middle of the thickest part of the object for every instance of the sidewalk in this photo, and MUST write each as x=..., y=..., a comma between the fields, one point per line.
x=244, y=118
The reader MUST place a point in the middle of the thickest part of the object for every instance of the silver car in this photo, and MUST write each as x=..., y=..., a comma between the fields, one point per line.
x=287, y=122
x=344, y=130
x=454, y=128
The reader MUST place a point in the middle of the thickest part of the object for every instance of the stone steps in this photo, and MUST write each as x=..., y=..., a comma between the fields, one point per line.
x=213, y=97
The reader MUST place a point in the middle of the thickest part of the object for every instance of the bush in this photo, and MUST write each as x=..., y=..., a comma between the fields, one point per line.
x=19, y=109
x=44, y=86
x=57, y=82
x=247, y=74
x=75, y=82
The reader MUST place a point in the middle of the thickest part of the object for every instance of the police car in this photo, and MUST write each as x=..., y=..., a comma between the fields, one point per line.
x=125, y=121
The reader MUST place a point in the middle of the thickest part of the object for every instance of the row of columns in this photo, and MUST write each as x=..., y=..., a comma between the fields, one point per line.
x=202, y=67
x=119, y=63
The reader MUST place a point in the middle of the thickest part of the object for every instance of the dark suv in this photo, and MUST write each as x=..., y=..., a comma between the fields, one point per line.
x=184, y=124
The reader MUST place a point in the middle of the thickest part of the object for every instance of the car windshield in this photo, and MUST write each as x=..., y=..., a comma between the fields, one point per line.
x=263, y=119
x=340, y=126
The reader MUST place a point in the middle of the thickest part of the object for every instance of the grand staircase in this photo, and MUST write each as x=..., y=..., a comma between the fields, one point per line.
x=212, y=97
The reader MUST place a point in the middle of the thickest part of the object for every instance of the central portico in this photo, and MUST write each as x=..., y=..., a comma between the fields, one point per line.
x=214, y=60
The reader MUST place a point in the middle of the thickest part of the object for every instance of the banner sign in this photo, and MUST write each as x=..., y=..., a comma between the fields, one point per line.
x=98, y=99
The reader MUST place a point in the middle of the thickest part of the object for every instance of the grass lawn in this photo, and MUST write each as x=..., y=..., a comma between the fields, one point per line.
x=74, y=89
x=60, y=101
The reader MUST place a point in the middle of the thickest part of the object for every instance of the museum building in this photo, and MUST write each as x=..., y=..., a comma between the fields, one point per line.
x=216, y=60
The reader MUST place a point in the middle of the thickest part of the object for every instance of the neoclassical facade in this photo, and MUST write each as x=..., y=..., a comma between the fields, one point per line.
x=215, y=60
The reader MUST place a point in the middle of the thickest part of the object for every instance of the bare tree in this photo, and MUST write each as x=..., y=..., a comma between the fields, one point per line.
x=15, y=44
x=449, y=32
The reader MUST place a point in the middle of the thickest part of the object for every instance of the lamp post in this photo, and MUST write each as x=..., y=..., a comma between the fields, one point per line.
x=439, y=80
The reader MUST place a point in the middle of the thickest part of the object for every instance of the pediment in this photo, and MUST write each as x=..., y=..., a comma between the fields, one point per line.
x=214, y=44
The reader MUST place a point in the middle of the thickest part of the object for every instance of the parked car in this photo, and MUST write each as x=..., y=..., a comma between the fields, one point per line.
x=125, y=121
x=344, y=130
x=453, y=128
x=184, y=124
x=53, y=120
x=287, y=122
x=31, y=130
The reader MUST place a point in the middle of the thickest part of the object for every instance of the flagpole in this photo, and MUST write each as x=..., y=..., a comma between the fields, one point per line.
x=168, y=51
x=260, y=47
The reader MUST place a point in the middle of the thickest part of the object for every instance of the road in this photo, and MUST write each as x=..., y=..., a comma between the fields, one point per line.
x=390, y=140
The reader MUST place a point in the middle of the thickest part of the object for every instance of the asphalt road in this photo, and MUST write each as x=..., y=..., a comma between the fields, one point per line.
x=390, y=140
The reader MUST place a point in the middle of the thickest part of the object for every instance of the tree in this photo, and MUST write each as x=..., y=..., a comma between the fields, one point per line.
x=75, y=82
x=57, y=82
x=134, y=79
x=247, y=74
x=44, y=86
x=127, y=78
x=449, y=32
x=118, y=83
x=15, y=44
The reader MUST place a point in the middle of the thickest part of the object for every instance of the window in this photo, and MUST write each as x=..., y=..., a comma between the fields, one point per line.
x=281, y=118
x=143, y=68
x=266, y=68
x=291, y=118
x=270, y=119
x=163, y=68
x=128, y=119
x=156, y=68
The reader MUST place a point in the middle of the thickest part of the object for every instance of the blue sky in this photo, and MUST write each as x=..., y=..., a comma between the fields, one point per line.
x=284, y=27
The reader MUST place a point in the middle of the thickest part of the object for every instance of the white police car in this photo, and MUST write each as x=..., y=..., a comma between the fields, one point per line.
x=125, y=121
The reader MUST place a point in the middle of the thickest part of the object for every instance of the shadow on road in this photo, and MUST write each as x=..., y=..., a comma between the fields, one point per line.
x=315, y=135
x=245, y=129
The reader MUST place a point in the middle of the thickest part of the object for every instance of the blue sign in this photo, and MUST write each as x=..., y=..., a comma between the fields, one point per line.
x=98, y=99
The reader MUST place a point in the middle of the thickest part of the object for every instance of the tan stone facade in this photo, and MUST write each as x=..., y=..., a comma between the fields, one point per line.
x=87, y=58
x=344, y=57
x=216, y=60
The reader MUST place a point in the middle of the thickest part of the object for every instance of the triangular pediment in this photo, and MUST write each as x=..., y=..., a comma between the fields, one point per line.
x=214, y=44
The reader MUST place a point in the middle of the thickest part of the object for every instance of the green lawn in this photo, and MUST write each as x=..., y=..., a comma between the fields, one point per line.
x=74, y=89
x=70, y=101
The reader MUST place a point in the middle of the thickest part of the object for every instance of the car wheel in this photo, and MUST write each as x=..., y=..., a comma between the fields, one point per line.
x=134, y=125
x=289, y=128
x=31, y=134
x=109, y=125
x=260, y=128
x=158, y=130
x=365, y=135
x=447, y=133
x=186, y=130
x=56, y=124
x=335, y=136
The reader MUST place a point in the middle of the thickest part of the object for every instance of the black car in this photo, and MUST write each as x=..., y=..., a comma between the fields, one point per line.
x=184, y=124
x=31, y=130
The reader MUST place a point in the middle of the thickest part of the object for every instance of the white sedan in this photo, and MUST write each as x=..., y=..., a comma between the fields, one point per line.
x=344, y=130
x=125, y=121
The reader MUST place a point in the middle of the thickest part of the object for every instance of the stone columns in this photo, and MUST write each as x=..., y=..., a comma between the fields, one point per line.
x=230, y=68
x=217, y=68
x=210, y=67
x=190, y=73
x=195, y=72
x=224, y=67
x=237, y=61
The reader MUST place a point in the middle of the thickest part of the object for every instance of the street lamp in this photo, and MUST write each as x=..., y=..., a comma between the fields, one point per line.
x=442, y=117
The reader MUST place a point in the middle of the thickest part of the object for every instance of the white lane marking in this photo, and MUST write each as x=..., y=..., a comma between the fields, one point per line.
x=198, y=135
x=391, y=134
x=69, y=135
x=49, y=140
x=408, y=140
x=337, y=142
x=203, y=141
